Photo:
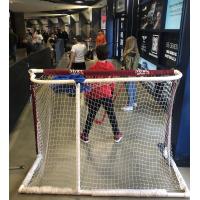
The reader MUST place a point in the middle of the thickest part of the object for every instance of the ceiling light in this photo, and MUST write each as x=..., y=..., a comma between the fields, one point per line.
x=78, y=1
x=12, y=1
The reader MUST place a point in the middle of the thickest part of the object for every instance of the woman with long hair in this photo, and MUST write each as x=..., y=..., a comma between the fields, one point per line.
x=130, y=62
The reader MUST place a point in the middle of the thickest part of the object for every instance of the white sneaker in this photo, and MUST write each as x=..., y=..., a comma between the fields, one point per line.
x=165, y=153
x=127, y=108
x=135, y=105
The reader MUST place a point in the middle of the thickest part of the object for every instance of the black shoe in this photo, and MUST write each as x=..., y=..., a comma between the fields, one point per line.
x=84, y=137
x=161, y=146
x=118, y=137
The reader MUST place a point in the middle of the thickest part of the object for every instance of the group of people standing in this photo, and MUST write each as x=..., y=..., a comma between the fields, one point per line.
x=79, y=51
x=33, y=41
x=103, y=95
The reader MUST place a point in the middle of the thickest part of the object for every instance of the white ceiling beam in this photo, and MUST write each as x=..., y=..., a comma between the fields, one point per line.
x=35, y=15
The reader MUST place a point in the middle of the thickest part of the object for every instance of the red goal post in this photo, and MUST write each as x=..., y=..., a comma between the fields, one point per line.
x=107, y=76
x=88, y=73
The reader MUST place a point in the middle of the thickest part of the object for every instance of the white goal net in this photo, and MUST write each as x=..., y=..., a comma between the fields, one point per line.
x=104, y=134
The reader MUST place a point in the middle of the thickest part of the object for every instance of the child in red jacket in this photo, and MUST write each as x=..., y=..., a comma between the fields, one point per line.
x=101, y=94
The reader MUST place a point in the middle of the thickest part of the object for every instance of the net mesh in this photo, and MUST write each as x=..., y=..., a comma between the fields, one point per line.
x=138, y=161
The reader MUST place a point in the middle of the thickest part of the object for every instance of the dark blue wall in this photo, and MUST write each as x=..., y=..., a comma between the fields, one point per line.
x=182, y=150
x=182, y=127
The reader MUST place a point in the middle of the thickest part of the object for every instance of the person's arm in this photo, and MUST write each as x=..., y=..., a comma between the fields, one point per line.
x=104, y=40
x=85, y=50
x=72, y=57
x=128, y=51
x=124, y=60
x=136, y=62
x=112, y=85
x=41, y=37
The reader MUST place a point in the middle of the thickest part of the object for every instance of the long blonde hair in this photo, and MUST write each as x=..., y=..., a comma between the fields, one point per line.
x=131, y=45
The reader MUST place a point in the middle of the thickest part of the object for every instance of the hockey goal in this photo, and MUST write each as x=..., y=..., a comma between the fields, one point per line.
x=140, y=164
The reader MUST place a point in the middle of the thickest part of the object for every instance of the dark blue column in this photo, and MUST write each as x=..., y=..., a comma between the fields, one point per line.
x=109, y=27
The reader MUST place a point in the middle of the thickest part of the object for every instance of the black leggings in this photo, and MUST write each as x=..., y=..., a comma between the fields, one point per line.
x=93, y=107
x=79, y=66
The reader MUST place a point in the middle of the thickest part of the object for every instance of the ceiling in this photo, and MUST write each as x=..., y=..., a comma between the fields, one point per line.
x=36, y=8
x=76, y=2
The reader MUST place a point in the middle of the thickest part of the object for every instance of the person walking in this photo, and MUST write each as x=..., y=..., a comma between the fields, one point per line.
x=130, y=62
x=77, y=57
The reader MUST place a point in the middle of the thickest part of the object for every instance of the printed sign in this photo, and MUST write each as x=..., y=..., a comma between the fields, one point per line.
x=120, y=6
x=149, y=45
x=143, y=44
x=146, y=65
x=154, y=46
x=151, y=15
x=170, y=48
x=103, y=18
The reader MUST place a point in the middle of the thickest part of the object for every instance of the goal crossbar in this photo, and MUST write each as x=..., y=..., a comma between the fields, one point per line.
x=136, y=75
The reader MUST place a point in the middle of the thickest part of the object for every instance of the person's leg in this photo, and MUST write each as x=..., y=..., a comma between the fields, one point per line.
x=109, y=107
x=83, y=66
x=131, y=87
x=93, y=107
x=131, y=91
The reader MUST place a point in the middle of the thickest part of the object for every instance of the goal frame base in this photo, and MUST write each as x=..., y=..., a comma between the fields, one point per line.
x=24, y=188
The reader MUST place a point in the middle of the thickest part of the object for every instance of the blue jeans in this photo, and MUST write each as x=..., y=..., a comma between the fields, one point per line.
x=131, y=90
